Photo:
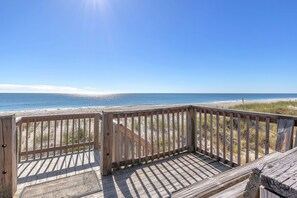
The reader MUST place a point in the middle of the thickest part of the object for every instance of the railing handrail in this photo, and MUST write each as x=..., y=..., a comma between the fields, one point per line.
x=142, y=111
x=56, y=117
x=272, y=116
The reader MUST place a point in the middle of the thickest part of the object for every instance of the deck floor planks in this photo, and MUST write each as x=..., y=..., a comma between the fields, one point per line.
x=156, y=179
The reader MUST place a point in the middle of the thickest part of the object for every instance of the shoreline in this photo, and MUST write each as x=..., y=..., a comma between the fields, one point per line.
x=54, y=111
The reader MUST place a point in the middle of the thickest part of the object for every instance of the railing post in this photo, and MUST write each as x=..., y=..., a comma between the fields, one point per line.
x=96, y=132
x=106, y=143
x=191, y=118
x=8, y=156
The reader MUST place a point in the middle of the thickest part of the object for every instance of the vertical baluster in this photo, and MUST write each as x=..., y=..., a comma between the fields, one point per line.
x=173, y=133
x=48, y=136
x=257, y=139
x=239, y=141
x=152, y=136
x=126, y=142
x=267, y=136
x=200, y=130
x=187, y=127
x=34, y=139
x=205, y=131
x=178, y=133
x=218, y=135
x=163, y=133
x=55, y=136
x=211, y=134
x=158, y=136
x=67, y=134
x=61, y=136
x=84, y=134
x=247, y=139
x=119, y=144
x=27, y=137
x=231, y=139
x=224, y=137
x=195, y=130
x=133, y=144
x=78, y=134
x=21, y=134
x=145, y=137
x=73, y=135
x=89, y=136
x=168, y=128
x=139, y=140
x=183, y=131
x=41, y=138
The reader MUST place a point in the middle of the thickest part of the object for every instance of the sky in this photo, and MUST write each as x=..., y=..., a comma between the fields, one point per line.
x=148, y=46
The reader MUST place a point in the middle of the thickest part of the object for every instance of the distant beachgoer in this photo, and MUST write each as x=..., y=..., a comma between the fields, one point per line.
x=242, y=101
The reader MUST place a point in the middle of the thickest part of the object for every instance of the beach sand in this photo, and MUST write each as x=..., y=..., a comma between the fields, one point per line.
x=43, y=112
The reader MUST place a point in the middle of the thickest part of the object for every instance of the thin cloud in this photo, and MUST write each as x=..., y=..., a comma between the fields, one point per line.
x=13, y=88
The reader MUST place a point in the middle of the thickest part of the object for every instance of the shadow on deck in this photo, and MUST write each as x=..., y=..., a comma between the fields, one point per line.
x=159, y=178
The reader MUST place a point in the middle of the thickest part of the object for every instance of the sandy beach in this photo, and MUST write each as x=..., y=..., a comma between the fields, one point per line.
x=225, y=104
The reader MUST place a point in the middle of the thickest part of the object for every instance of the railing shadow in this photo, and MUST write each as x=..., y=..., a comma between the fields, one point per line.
x=52, y=167
x=162, y=177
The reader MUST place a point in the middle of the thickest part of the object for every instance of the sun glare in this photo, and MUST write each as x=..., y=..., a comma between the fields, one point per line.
x=96, y=6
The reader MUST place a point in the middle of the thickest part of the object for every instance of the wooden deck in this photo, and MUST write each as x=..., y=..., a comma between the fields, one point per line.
x=156, y=179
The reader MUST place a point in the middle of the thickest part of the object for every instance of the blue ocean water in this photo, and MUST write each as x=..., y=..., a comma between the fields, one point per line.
x=23, y=101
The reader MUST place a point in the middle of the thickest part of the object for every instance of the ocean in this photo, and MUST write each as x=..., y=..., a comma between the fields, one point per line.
x=29, y=101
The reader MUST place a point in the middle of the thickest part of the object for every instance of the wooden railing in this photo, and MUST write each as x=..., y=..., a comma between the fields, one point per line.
x=137, y=136
x=231, y=136
x=44, y=136
x=236, y=137
x=144, y=135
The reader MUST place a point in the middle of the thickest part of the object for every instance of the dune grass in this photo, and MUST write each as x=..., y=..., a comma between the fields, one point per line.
x=282, y=107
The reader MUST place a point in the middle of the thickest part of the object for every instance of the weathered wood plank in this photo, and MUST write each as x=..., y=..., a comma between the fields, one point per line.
x=239, y=140
x=205, y=132
x=279, y=175
x=139, y=138
x=126, y=148
x=173, y=133
x=247, y=150
x=96, y=131
x=106, y=144
x=133, y=142
x=34, y=140
x=158, y=136
x=183, y=129
x=224, y=137
x=257, y=139
x=163, y=134
x=231, y=140
x=211, y=134
x=48, y=137
x=267, y=136
x=178, y=132
x=168, y=131
x=234, y=191
x=152, y=150
x=264, y=193
x=285, y=129
x=220, y=182
x=27, y=140
x=200, y=130
x=217, y=135
x=8, y=156
x=145, y=138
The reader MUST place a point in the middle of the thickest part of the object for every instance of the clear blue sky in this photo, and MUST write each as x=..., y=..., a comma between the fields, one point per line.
x=149, y=45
